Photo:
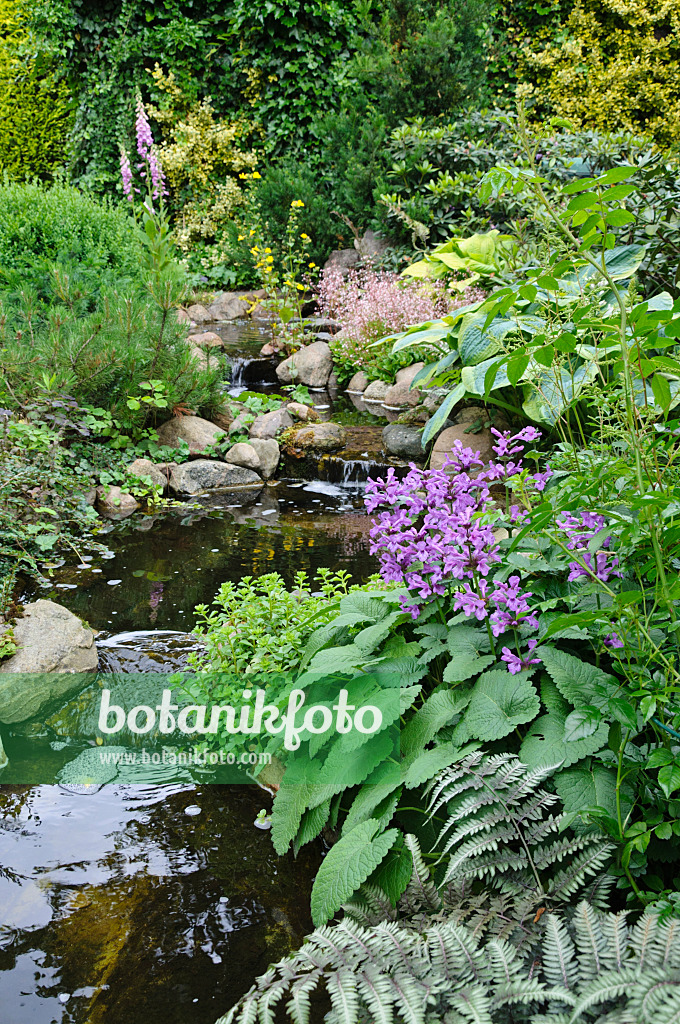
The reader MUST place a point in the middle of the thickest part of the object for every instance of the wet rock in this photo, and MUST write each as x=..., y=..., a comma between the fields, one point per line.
x=115, y=503
x=199, y=314
x=401, y=394
x=358, y=383
x=207, y=339
x=269, y=424
x=228, y=307
x=471, y=414
x=403, y=441
x=481, y=442
x=311, y=365
x=145, y=467
x=376, y=391
x=56, y=656
x=302, y=412
x=268, y=349
x=320, y=437
x=242, y=454
x=433, y=398
x=343, y=260
x=241, y=423
x=333, y=381
x=223, y=416
x=198, y=433
x=90, y=497
x=207, y=475
x=268, y=453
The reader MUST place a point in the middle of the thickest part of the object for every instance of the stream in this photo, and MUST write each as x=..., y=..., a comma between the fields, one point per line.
x=137, y=904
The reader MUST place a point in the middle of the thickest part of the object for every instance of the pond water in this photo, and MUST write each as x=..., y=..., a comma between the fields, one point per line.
x=133, y=903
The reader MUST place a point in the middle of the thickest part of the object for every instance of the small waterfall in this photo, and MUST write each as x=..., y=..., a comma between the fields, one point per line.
x=246, y=370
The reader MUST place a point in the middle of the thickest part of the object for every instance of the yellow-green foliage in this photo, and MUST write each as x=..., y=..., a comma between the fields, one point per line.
x=35, y=109
x=201, y=159
x=616, y=64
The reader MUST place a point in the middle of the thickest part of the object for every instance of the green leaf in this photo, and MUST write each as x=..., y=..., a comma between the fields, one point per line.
x=581, y=723
x=313, y=820
x=661, y=391
x=617, y=218
x=289, y=806
x=545, y=743
x=346, y=866
x=616, y=174
x=500, y=702
x=476, y=344
x=394, y=873
x=435, y=422
x=430, y=762
x=438, y=710
x=623, y=260
x=669, y=779
x=587, y=784
x=578, y=681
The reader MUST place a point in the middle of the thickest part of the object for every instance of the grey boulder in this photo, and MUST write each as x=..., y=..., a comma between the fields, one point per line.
x=268, y=453
x=146, y=468
x=269, y=424
x=207, y=339
x=199, y=314
x=358, y=383
x=376, y=391
x=56, y=656
x=198, y=433
x=242, y=454
x=401, y=394
x=403, y=441
x=228, y=307
x=310, y=365
x=206, y=475
x=115, y=503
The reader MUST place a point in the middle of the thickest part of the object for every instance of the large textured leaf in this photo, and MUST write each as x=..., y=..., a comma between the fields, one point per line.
x=578, y=681
x=499, y=703
x=438, y=710
x=347, y=865
x=473, y=378
x=551, y=394
x=587, y=784
x=289, y=806
x=430, y=762
x=468, y=648
x=545, y=743
x=475, y=344
x=313, y=820
x=341, y=771
x=394, y=873
x=623, y=260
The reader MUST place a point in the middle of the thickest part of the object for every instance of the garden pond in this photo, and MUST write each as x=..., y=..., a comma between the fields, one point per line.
x=148, y=903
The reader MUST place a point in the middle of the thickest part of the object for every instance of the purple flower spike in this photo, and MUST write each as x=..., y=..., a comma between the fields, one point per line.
x=144, y=135
x=613, y=640
x=126, y=173
x=516, y=663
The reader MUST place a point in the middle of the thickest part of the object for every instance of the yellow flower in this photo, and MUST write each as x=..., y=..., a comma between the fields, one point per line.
x=311, y=265
x=270, y=259
x=300, y=287
x=241, y=237
x=242, y=175
x=254, y=250
x=267, y=249
x=256, y=174
x=252, y=232
x=306, y=237
x=297, y=203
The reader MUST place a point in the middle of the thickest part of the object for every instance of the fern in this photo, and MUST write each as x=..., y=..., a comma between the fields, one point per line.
x=419, y=974
x=500, y=833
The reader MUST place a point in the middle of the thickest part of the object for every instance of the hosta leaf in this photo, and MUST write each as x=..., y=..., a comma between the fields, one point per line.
x=500, y=702
x=548, y=399
x=475, y=344
x=346, y=866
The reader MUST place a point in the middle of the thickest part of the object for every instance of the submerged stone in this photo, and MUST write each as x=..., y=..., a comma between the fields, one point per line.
x=207, y=475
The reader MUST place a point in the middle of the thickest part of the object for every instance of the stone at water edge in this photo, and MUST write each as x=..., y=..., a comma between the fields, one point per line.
x=376, y=391
x=199, y=314
x=320, y=437
x=269, y=424
x=203, y=475
x=401, y=394
x=183, y=317
x=145, y=467
x=358, y=383
x=311, y=365
x=403, y=441
x=302, y=412
x=268, y=453
x=443, y=446
x=228, y=308
x=198, y=433
x=207, y=339
x=55, y=656
x=243, y=454
x=115, y=503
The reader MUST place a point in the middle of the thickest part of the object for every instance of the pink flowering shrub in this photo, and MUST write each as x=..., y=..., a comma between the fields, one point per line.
x=372, y=303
